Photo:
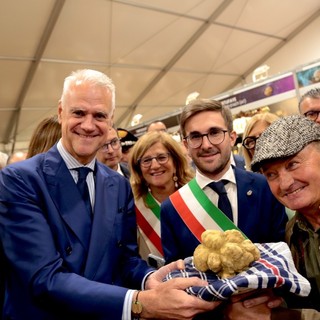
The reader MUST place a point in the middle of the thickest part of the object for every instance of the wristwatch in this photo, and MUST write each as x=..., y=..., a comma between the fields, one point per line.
x=136, y=308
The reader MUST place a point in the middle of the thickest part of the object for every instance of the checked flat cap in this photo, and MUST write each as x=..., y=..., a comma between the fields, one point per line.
x=284, y=138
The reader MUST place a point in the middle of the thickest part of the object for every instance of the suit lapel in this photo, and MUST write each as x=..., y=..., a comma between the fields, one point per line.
x=246, y=196
x=66, y=196
x=105, y=209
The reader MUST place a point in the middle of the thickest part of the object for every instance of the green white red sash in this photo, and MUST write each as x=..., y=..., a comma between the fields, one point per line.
x=198, y=212
x=148, y=220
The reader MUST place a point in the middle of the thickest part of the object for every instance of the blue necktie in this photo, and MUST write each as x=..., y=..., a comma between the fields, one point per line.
x=83, y=186
x=223, y=202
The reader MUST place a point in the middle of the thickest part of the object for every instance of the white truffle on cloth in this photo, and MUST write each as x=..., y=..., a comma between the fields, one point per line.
x=225, y=253
x=274, y=269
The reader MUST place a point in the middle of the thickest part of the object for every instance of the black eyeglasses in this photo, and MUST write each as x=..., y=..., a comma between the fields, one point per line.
x=215, y=137
x=161, y=159
x=249, y=142
x=312, y=115
x=114, y=143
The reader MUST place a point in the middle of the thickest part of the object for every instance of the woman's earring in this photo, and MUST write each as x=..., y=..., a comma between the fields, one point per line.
x=175, y=179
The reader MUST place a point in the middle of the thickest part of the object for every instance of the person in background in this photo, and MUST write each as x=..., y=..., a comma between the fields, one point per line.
x=46, y=134
x=17, y=157
x=127, y=140
x=110, y=154
x=254, y=127
x=236, y=159
x=157, y=126
x=158, y=168
x=292, y=168
x=68, y=227
x=3, y=160
x=186, y=154
x=309, y=105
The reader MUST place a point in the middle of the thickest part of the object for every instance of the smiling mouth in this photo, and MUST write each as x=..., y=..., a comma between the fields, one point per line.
x=208, y=155
x=289, y=194
x=86, y=136
x=156, y=173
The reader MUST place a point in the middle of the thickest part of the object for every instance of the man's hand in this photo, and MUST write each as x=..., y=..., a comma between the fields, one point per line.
x=168, y=300
x=252, y=305
x=157, y=277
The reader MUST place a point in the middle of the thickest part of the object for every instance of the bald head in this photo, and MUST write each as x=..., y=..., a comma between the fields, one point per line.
x=157, y=126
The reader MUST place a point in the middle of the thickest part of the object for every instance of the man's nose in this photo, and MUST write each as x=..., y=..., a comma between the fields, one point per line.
x=285, y=179
x=88, y=123
x=205, y=142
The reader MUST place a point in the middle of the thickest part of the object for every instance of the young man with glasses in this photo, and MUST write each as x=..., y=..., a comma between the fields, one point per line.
x=309, y=104
x=207, y=129
x=110, y=154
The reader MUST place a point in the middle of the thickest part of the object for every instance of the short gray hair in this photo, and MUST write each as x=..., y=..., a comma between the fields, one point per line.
x=94, y=77
x=312, y=94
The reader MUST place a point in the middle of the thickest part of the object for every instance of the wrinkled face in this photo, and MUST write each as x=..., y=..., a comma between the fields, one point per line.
x=107, y=155
x=212, y=160
x=158, y=175
x=256, y=131
x=85, y=120
x=308, y=105
x=295, y=181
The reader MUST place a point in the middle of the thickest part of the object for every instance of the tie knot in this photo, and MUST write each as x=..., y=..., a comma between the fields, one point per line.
x=83, y=172
x=218, y=186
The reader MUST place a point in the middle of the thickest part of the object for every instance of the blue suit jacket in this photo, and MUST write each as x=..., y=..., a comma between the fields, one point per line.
x=239, y=161
x=53, y=273
x=260, y=216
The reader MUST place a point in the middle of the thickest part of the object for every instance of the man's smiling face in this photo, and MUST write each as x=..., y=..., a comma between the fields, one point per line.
x=85, y=119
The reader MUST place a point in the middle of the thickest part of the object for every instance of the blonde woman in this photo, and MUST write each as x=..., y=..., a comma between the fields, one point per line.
x=158, y=168
x=255, y=126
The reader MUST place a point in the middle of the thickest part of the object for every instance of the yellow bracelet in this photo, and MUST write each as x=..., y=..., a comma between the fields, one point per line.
x=136, y=307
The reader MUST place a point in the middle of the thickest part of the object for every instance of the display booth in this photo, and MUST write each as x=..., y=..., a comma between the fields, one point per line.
x=278, y=94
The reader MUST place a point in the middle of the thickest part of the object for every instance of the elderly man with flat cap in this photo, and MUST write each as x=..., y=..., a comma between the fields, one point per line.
x=288, y=154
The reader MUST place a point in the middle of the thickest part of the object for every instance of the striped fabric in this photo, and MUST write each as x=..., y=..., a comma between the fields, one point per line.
x=274, y=269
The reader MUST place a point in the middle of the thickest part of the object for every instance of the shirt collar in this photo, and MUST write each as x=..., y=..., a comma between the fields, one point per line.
x=204, y=181
x=70, y=161
x=119, y=169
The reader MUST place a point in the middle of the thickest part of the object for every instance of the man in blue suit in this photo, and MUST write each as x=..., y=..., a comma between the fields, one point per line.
x=207, y=128
x=65, y=260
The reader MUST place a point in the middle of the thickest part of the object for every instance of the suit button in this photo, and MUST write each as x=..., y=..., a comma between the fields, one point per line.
x=68, y=250
x=119, y=244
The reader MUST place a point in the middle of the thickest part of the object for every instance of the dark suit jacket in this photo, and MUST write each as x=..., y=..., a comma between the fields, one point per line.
x=260, y=216
x=54, y=272
x=125, y=169
x=239, y=161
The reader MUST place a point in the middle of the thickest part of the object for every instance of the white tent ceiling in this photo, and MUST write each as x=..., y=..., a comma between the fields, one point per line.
x=156, y=51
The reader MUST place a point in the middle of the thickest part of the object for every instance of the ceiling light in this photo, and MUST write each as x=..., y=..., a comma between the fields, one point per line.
x=192, y=96
x=260, y=73
x=136, y=119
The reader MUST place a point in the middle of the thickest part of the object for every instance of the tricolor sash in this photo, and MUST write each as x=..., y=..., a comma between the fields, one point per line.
x=198, y=212
x=148, y=220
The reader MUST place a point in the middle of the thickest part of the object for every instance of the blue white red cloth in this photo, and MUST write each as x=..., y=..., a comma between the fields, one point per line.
x=274, y=269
